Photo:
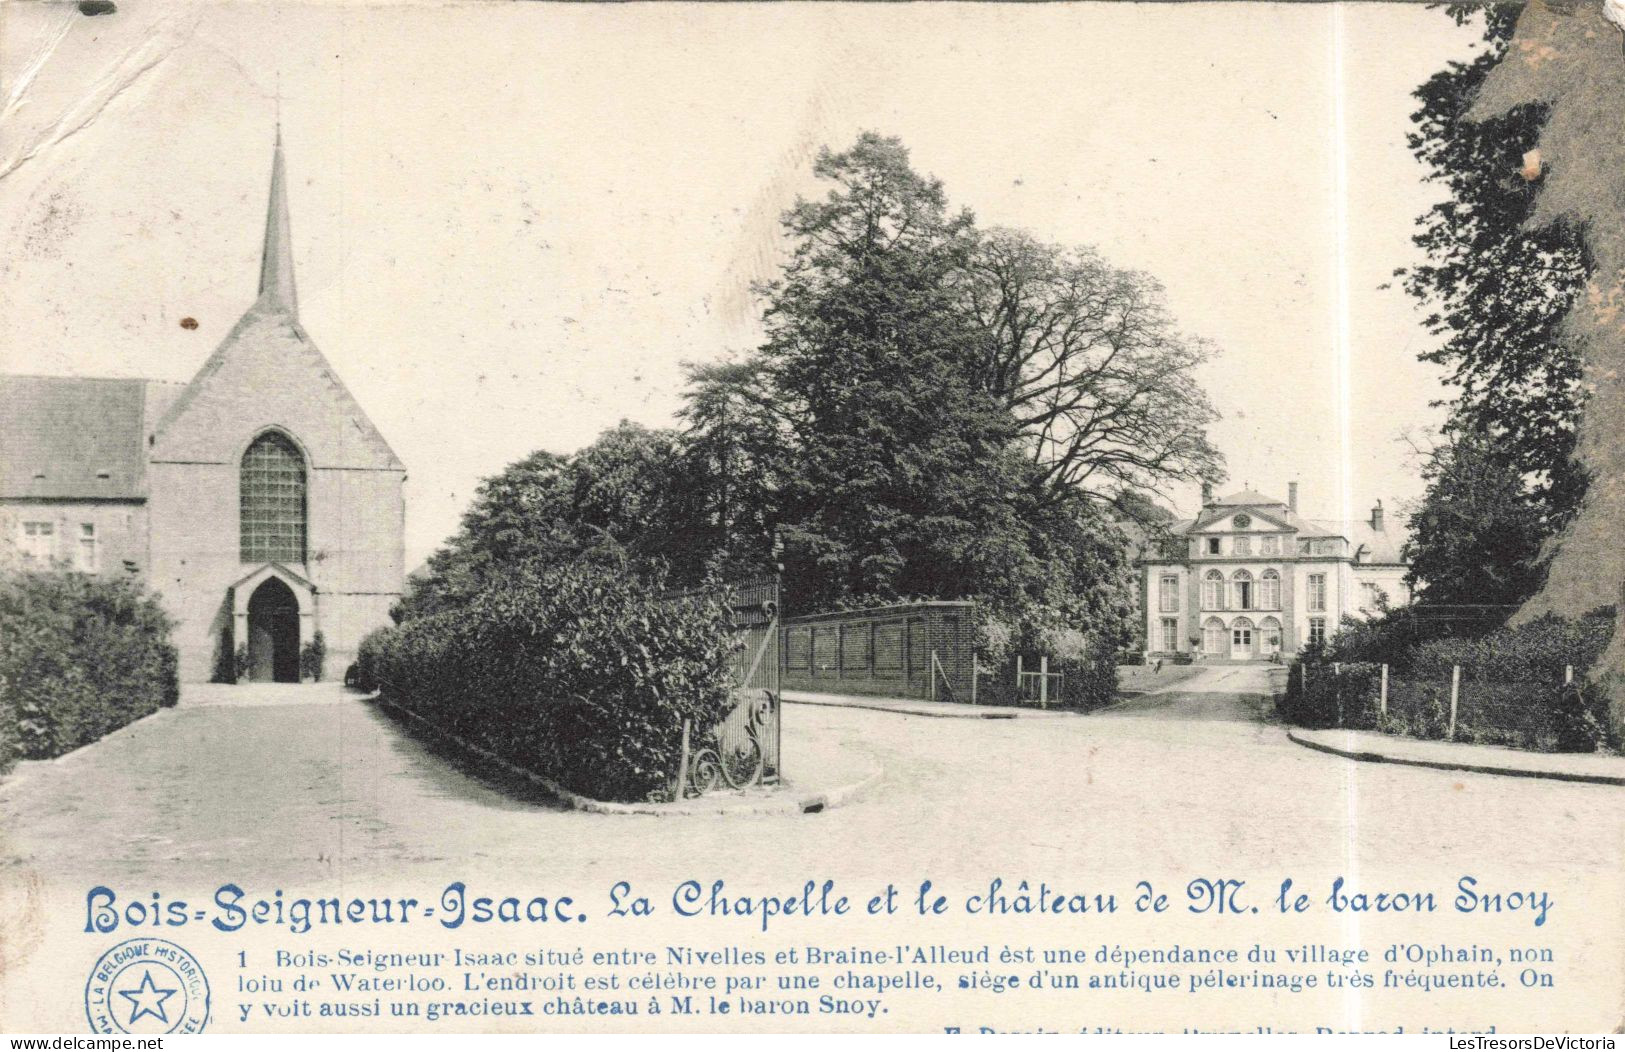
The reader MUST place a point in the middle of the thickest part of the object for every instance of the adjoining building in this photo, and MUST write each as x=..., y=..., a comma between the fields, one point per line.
x=258, y=500
x=1248, y=578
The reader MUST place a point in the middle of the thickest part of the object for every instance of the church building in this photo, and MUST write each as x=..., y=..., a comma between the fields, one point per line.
x=1248, y=578
x=257, y=500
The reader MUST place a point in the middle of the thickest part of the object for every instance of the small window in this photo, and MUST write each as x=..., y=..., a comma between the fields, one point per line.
x=1213, y=546
x=1241, y=546
x=86, y=557
x=1317, y=630
x=38, y=541
x=1270, y=545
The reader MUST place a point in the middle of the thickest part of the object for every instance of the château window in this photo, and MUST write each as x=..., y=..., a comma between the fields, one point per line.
x=1243, y=585
x=1170, y=634
x=1269, y=591
x=1317, y=630
x=1168, y=598
x=1213, y=590
x=272, y=501
x=1213, y=546
x=1242, y=546
x=1317, y=591
x=1270, y=545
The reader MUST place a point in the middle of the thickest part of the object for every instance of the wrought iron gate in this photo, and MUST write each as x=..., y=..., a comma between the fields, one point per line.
x=744, y=749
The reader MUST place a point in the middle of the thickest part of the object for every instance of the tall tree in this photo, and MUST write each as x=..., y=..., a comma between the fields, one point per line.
x=1476, y=537
x=1498, y=289
x=1089, y=361
x=625, y=500
x=898, y=476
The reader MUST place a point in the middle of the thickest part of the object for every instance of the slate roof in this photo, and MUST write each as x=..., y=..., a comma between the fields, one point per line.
x=69, y=437
x=1381, y=546
x=1248, y=498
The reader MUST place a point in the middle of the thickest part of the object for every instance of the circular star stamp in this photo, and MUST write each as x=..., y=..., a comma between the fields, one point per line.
x=147, y=986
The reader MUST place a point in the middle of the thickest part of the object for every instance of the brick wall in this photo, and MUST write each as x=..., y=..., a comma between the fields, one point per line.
x=883, y=651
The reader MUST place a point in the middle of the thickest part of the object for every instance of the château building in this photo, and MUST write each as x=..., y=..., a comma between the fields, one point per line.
x=1248, y=578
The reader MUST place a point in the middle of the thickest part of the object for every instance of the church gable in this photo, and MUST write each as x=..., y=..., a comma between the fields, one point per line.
x=267, y=373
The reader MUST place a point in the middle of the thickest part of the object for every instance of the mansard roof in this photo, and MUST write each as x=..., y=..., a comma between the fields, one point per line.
x=77, y=438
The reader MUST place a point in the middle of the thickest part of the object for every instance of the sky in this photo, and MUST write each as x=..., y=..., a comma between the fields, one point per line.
x=513, y=224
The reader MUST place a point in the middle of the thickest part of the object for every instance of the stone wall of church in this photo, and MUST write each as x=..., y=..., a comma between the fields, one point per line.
x=354, y=555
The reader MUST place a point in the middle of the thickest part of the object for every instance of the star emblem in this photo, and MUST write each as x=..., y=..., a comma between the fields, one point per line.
x=147, y=999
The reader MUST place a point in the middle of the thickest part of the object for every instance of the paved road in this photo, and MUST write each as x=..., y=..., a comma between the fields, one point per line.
x=1235, y=693
x=325, y=797
x=341, y=788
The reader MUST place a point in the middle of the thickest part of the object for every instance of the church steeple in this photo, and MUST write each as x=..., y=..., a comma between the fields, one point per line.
x=276, y=265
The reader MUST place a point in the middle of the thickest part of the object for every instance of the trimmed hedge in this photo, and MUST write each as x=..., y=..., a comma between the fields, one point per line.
x=1512, y=689
x=1536, y=651
x=79, y=657
x=578, y=673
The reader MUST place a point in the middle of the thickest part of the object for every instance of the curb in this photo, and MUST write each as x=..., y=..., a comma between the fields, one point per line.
x=810, y=804
x=1441, y=765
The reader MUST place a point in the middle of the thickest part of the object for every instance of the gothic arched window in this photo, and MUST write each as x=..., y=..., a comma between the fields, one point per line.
x=272, y=501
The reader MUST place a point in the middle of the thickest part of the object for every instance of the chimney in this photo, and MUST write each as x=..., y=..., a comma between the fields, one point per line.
x=1207, y=494
x=1376, y=517
x=1292, y=497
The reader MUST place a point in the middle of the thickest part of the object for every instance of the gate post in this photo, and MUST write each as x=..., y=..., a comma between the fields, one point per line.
x=682, y=766
x=1455, y=693
x=1384, y=696
x=1043, y=681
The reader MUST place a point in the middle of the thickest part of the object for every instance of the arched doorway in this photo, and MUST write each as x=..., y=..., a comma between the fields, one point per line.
x=273, y=633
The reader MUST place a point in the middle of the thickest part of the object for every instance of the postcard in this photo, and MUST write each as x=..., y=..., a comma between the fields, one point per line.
x=704, y=518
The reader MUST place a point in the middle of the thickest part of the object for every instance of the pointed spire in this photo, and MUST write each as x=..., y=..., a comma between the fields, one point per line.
x=276, y=265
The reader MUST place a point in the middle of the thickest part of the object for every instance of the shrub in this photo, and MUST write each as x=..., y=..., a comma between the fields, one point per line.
x=368, y=653
x=79, y=657
x=312, y=656
x=578, y=673
x=1086, y=684
x=1512, y=689
x=1537, y=651
x=1346, y=694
